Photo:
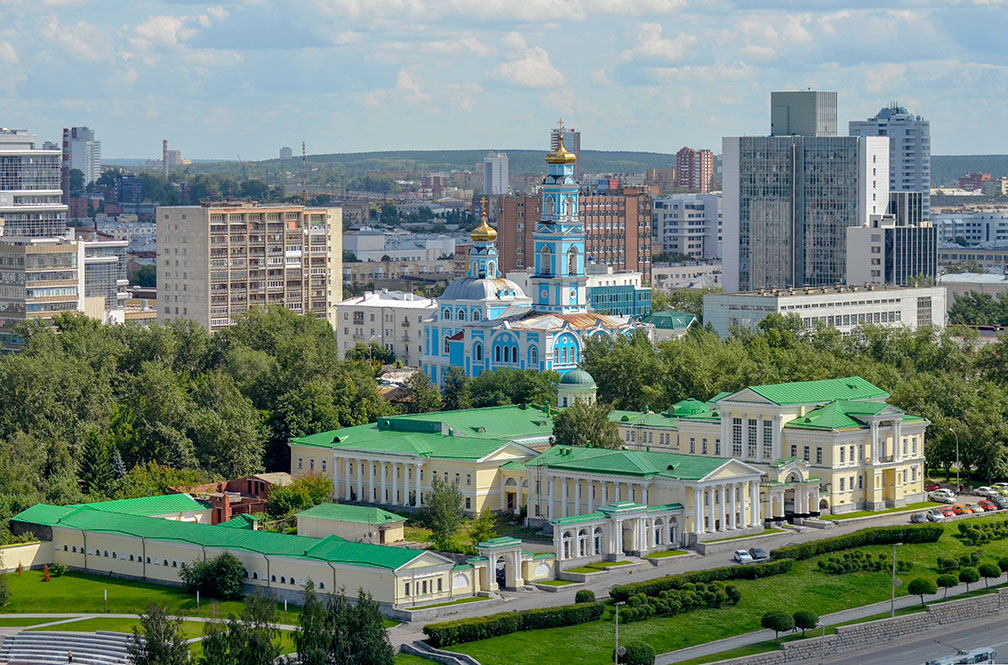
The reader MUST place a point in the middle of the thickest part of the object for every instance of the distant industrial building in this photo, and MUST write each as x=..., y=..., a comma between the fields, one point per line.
x=886, y=252
x=686, y=276
x=973, y=228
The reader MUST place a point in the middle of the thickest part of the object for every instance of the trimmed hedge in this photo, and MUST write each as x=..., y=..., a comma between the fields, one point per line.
x=859, y=560
x=983, y=532
x=676, y=582
x=447, y=633
x=882, y=535
x=637, y=653
x=692, y=596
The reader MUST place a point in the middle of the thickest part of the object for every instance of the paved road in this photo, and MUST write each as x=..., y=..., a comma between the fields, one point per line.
x=916, y=650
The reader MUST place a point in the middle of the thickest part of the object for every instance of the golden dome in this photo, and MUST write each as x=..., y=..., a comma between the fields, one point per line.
x=484, y=232
x=560, y=155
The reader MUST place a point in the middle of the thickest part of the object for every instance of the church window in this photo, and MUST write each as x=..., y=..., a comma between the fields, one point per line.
x=545, y=261
x=446, y=344
x=478, y=352
x=565, y=355
x=556, y=355
x=476, y=315
x=572, y=260
x=461, y=315
x=534, y=356
x=507, y=354
x=497, y=354
x=514, y=354
x=446, y=314
x=491, y=269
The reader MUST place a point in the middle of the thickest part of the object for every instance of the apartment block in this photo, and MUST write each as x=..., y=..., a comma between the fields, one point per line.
x=688, y=224
x=694, y=170
x=617, y=227
x=393, y=319
x=39, y=278
x=217, y=261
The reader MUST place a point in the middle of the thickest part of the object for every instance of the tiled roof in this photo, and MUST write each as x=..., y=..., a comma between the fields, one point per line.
x=824, y=390
x=345, y=513
x=331, y=548
x=628, y=462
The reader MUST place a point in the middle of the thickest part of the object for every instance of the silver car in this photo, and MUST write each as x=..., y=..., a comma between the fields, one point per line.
x=935, y=515
x=942, y=496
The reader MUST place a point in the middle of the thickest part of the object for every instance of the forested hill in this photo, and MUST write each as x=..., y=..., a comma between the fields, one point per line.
x=947, y=169
x=520, y=162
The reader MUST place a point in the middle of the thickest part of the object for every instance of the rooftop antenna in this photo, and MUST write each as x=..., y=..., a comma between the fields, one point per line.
x=304, y=175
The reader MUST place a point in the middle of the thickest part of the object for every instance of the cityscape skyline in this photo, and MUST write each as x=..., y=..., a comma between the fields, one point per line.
x=349, y=77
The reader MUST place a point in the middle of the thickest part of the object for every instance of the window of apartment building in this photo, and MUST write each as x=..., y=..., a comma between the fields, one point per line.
x=904, y=475
x=767, y=439
x=299, y=462
x=913, y=441
x=457, y=479
x=852, y=483
x=736, y=437
x=794, y=450
x=904, y=446
x=860, y=482
x=468, y=503
x=852, y=460
x=323, y=466
x=311, y=465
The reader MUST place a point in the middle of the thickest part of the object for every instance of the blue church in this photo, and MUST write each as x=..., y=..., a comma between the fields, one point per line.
x=485, y=322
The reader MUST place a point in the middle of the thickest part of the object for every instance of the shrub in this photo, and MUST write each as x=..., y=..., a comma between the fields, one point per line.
x=58, y=569
x=988, y=571
x=805, y=619
x=882, y=535
x=859, y=560
x=983, y=532
x=682, y=581
x=921, y=586
x=692, y=596
x=1003, y=565
x=947, y=565
x=778, y=622
x=4, y=590
x=947, y=582
x=969, y=576
x=636, y=653
x=584, y=596
x=221, y=577
x=447, y=633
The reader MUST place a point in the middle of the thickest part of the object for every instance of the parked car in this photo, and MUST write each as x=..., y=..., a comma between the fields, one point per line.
x=987, y=505
x=948, y=511
x=742, y=556
x=757, y=553
x=937, y=514
x=918, y=518
x=984, y=491
x=931, y=487
x=975, y=508
x=1000, y=486
x=942, y=496
x=1000, y=501
x=962, y=509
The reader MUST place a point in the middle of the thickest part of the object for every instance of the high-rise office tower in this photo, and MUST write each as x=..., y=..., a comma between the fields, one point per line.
x=909, y=149
x=803, y=112
x=571, y=142
x=85, y=152
x=495, y=173
x=694, y=169
x=217, y=261
x=688, y=224
x=30, y=188
x=787, y=204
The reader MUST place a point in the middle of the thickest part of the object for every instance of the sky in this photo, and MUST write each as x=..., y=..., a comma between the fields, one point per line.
x=230, y=80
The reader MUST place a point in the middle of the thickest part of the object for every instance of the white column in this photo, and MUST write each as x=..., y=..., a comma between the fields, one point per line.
x=755, y=507
x=549, y=501
x=371, y=481
x=360, y=480
x=416, y=499
x=778, y=441
x=577, y=496
x=734, y=506
x=619, y=538
x=644, y=493
x=384, y=487
x=605, y=492
x=346, y=479
x=563, y=498
x=710, y=511
x=698, y=509
x=724, y=511
x=503, y=497
x=874, y=443
x=591, y=498
x=815, y=497
x=335, y=477
x=395, y=484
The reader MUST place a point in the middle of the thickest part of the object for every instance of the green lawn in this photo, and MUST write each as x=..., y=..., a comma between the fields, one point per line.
x=117, y=624
x=665, y=554
x=556, y=582
x=584, y=569
x=920, y=505
x=81, y=592
x=460, y=601
x=803, y=587
x=749, y=535
x=409, y=659
x=603, y=565
x=24, y=621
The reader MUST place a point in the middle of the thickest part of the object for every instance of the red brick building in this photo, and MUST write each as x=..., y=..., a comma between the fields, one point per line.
x=694, y=170
x=240, y=496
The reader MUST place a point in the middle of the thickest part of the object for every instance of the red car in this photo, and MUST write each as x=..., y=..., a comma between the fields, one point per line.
x=931, y=487
x=988, y=506
x=948, y=512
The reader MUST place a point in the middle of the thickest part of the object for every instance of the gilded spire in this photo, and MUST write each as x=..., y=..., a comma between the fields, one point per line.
x=484, y=232
x=560, y=155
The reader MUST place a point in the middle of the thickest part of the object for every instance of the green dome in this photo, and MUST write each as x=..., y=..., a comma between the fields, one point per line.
x=578, y=378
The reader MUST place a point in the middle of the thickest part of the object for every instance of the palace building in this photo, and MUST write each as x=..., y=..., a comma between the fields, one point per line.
x=485, y=322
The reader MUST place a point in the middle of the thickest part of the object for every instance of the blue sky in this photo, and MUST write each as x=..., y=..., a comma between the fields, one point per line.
x=223, y=79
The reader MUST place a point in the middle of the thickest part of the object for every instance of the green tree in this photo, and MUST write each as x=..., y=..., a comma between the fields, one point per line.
x=372, y=353
x=947, y=582
x=969, y=575
x=96, y=471
x=313, y=637
x=921, y=586
x=153, y=479
x=369, y=640
x=254, y=638
x=586, y=425
x=422, y=396
x=221, y=577
x=159, y=639
x=778, y=622
x=1003, y=565
x=455, y=391
x=5, y=593
x=444, y=506
x=806, y=620
x=76, y=181
x=302, y=493
x=513, y=386
x=144, y=276
x=636, y=653
x=484, y=527
x=988, y=571
x=216, y=643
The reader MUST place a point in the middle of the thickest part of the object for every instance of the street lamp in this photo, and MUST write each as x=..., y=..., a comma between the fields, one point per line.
x=957, y=458
x=616, y=653
x=892, y=601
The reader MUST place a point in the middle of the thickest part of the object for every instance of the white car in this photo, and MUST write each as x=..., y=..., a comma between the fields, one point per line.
x=985, y=491
x=742, y=556
x=942, y=496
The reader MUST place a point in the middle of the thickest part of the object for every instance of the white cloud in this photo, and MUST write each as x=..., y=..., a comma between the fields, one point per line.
x=161, y=31
x=532, y=70
x=882, y=77
x=514, y=41
x=600, y=77
x=8, y=54
x=653, y=48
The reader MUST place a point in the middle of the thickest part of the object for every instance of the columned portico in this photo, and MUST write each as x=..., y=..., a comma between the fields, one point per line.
x=617, y=529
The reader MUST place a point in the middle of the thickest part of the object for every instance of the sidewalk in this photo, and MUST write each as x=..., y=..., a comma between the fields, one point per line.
x=755, y=637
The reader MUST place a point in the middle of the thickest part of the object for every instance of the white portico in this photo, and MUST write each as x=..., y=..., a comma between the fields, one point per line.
x=617, y=529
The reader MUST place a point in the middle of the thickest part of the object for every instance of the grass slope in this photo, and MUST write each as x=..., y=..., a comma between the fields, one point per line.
x=803, y=587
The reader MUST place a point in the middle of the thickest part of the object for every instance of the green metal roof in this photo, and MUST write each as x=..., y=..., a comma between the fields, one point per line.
x=824, y=390
x=577, y=519
x=723, y=393
x=649, y=418
x=628, y=462
x=840, y=414
x=501, y=541
x=168, y=504
x=344, y=513
x=242, y=521
x=670, y=320
x=689, y=407
x=332, y=548
x=579, y=378
x=513, y=465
